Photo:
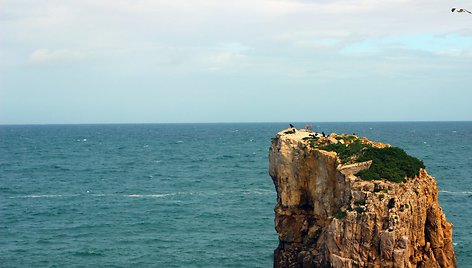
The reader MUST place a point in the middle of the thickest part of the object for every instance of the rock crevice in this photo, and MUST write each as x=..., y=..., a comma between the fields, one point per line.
x=328, y=217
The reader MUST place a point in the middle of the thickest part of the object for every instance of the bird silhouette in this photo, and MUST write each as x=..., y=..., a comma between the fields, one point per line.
x=460, y=10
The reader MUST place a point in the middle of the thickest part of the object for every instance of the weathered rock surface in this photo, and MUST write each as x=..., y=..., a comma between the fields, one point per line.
x=327, y=217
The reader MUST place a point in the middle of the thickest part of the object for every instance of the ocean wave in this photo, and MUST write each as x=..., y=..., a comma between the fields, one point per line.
x=224, y=157
x=101, y=195
x=259, y=192
x=456, y=193
x=224, y=193
x=148, y=195
x=42, y=196
x=94, y=195
x=138, y=195
x=88, y=253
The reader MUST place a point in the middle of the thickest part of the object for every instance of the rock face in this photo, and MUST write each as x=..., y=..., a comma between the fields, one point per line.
x=327, y=217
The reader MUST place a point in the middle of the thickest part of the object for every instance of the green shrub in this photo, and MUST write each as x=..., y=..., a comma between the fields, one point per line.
x=391, y=163
x=340, y=214
x=350, y=138
x=289, y=132
x=312, y=141
x=346, y=152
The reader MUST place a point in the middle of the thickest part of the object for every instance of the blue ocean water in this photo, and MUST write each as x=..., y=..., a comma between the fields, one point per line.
x=179, y=195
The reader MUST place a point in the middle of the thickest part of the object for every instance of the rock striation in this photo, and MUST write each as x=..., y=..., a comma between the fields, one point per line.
x=326, y=216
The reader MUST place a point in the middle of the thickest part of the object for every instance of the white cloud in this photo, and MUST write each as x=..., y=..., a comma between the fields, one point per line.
x=166, y=45
x=55, y=57
x=223, y=35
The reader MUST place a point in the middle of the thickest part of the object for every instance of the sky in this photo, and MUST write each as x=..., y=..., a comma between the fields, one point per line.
x=176, y=61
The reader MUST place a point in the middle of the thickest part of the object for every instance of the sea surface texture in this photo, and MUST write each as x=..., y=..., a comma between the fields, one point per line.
x=180, y=195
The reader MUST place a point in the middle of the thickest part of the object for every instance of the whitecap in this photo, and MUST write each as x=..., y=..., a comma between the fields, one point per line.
x=457, y=193
x=39, y=196
x=101, y=195
x=148, y=195
x=259, y=192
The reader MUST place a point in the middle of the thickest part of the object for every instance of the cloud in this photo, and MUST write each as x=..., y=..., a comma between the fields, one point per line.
x=266, y=36
x=161, y=47
x=55, y=57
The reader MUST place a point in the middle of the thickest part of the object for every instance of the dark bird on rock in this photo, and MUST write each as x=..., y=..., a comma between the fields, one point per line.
x=291, y=126
x=460, y=10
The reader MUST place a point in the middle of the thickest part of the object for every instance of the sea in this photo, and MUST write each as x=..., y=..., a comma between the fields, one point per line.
x=180, y=195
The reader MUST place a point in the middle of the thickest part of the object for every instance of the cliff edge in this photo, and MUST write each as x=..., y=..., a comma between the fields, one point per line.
x=328, y=216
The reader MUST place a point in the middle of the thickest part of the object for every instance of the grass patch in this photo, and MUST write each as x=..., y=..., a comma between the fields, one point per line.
x=289, y=132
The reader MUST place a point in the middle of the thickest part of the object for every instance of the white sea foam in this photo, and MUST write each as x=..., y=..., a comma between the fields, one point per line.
x=202, y=193
x=456, y=193
x=41, y=196
x=259, y=192
x=102, y=195
x=148, y=195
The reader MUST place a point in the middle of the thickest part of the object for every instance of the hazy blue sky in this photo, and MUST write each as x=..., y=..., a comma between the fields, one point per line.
x=117, y=61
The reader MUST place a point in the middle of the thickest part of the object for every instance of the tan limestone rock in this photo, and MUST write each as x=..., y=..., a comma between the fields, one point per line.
x=327, y=217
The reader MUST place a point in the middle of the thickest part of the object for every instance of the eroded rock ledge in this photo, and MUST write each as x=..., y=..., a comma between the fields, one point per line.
x=328, y=217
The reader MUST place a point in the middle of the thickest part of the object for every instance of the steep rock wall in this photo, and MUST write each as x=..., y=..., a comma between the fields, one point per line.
x=327, y=217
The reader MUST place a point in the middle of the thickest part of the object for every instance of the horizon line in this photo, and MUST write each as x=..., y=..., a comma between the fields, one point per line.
x=238, y=122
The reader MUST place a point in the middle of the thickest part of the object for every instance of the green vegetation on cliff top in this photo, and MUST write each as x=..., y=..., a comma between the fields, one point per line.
x=390, y=163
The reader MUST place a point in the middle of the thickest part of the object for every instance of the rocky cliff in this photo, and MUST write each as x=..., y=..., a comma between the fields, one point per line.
x=326, y=216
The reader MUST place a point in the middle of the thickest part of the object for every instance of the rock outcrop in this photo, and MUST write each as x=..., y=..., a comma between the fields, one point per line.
x=328, y=217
